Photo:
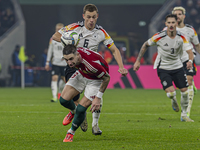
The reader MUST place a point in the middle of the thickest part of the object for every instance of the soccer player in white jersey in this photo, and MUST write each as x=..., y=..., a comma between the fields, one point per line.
x=91, y=35
x=58, y=64
x=192, y=37
x=170, y=44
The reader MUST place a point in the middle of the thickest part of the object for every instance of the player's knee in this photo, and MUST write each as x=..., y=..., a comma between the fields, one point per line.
x=63, y=101
x=171, y=94
x=184, y=94
x=80, y=110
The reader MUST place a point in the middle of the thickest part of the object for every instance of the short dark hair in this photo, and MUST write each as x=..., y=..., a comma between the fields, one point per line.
x=69, y=49
x=171, y=16
x=90, y=8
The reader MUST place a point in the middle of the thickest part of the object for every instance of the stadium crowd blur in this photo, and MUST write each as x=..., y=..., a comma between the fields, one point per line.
x=7, y=17
x=35, y=72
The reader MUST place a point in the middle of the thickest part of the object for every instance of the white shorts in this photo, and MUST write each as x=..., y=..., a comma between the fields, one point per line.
x=81, y=83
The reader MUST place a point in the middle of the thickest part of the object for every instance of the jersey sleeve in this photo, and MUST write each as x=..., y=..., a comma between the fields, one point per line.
x=50, y=50
x=186, y=46
x=195, y=39
x=108, y=40
x=101, y=72
x=68, y=28
x=152, y=41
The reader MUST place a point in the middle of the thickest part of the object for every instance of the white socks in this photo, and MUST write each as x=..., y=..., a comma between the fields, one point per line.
x=61, y=85
x=71, y=131
x=184, y=103
x=54, y=89
x=191, y=96
x=96, y=114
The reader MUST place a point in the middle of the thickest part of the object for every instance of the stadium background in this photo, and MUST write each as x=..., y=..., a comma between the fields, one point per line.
x=128, y=22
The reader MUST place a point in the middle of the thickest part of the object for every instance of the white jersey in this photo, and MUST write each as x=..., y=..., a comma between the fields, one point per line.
x=89, y=38
x=192, y=37
x=169, y=50
x=55, y=52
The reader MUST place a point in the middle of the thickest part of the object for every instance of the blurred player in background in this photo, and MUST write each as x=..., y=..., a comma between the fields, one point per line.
x=170, y=44
x=192, y=37
x=58, y=65
x=91, y=35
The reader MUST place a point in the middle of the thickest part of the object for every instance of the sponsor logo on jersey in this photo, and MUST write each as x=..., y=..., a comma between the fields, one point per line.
x=166, y=44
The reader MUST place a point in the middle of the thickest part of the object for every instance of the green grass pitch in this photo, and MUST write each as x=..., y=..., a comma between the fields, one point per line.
x=131, y=119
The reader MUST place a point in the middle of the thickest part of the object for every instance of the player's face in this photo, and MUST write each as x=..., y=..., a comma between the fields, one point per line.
x=71, y=59
x=90, y=19
x=180, y=16
x=171, y=24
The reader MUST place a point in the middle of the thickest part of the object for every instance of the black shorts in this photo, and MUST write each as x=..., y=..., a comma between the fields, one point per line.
x=178, y=76
x=69, y=72
x=58, y=70
x=191, y=72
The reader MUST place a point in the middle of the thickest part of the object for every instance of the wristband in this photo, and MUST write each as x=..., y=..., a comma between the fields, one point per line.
x=190, y=61
x=99, y=95
x=47, y=63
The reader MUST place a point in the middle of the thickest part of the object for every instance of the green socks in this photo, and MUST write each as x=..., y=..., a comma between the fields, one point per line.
x=79, y=117
x=67, y=104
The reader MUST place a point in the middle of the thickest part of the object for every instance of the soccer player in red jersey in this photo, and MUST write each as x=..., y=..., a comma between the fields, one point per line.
x=92, y=77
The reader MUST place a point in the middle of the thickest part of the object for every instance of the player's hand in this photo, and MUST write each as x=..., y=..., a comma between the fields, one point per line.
x=95, y=104
x=136, y=66
x=189, y=65
x=46, y=67
x=123, y=71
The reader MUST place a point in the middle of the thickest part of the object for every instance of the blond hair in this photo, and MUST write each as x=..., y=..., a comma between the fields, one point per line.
x=60, y=24
x=179, y=8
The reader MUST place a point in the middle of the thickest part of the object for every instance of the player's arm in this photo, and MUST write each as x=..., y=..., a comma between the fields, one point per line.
x=97, y=100
x=116, y=53
x=57, y=36
x=49, y=55
x=197, y=48
x=140, y=55
x=191, y=57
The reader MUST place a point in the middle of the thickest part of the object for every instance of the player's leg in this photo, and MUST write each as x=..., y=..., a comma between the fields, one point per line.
x=54, y=81
x=95, y=85
x=166, y=81
x=181, y=82
x=62, y=81
x=95, y=117
x=194, y=71
x=68, y=73
x=190, y=94
x=61, y=85
x=190, y=73
x=91, y=89
x=78, y=118
x=54, y=88
x=171, y=93
x=79, y=87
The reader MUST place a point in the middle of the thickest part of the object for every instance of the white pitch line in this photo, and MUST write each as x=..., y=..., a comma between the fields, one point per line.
x=38, y=112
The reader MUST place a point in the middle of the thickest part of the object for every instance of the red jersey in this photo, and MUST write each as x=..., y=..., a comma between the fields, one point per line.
x=92, y=65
